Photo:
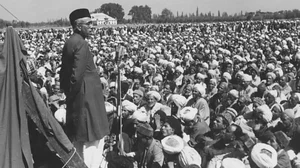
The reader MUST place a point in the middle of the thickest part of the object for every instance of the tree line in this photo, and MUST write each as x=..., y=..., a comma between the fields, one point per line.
x=143, y=14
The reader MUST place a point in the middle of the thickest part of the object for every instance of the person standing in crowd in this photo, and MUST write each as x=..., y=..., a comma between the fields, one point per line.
x=86, y=119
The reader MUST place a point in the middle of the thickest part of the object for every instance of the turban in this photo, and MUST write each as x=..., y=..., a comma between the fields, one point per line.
x=234, y=93
x=227, y=75
x=138, y=70
x=279, y=72
x=232, y=163
x=189, y=156
x=201, y=76
x=144, y=129
x=138, y=92
x=112, y=84
x=270, y=66
x=232, y=112
x=213, y=80
x=205, y=65
x=188, y=113
x=214, y=64
x=200, y=89
x=264, y=156
x=290, y=113
x=247, y=78
x=140, y=116
x=172, y=144
x=212, y=73
x=157, y=78
x=179, y=100
x=265, y=111
x=109, y=107
x=179, y=69
x=274, y=93
x=155, y=94
x=60, y=115
x=271, y=74
x=129, y=106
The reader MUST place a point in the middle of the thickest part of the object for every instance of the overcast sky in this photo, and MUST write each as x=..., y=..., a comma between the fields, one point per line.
x=44, y=10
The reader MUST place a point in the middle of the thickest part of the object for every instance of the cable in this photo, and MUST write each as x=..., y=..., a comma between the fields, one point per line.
x=69, y=158
x=9, y=12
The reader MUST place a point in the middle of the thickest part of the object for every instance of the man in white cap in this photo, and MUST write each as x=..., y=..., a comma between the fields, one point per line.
x=246, y=85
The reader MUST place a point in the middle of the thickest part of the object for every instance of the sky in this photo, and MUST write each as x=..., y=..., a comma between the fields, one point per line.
x=46, y=10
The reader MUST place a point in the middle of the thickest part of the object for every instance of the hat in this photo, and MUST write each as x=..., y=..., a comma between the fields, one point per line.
x=232, y=163
x=234, y=93
x=271, y=74
x=188, y=113
x=79, y=13
x=227, y=75
x=200, y=89
x=172, y=144
x=265, y=111
x=290, y=113
x=129, y=106
x=232, y=112
x=140, y=116
x=179, y=100
x=155, y=94
x=247, y=78
x=138, y=92
x=264, y=156
x=180, y=69
x=145, y=129
x=189, y=156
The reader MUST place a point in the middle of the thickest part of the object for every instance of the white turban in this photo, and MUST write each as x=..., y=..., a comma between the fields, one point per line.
x=200, y=89
x=279, y=72
x=247, y=78
x=60, y=115
x=179, y=100
x=266, y=112
x=109, y=107
x=234, y=93
x=172, y=144
x=188, y=113
x=270, y=66
x=140, y=116
x=264, y=156
x=138, y=70
x=189, y=156
x=180, y=69
x=157, y=78
x=271, y=74
x=205, y=65
x=155, y=94
x=274, y=93
x=227, y=75
x=129, y=106
x=232, y=163
x=201, y=76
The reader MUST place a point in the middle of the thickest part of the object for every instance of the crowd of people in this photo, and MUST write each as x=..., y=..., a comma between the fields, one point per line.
x=192, y=95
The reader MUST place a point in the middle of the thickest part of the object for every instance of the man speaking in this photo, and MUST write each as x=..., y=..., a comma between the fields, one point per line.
x=86, y=119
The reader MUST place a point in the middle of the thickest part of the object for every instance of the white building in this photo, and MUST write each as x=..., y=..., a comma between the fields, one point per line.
x=103, y=19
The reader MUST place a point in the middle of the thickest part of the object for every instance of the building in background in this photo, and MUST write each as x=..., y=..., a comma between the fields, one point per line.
x=102, y=19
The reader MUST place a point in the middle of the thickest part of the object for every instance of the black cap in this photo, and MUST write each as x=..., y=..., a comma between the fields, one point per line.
x=79, y=13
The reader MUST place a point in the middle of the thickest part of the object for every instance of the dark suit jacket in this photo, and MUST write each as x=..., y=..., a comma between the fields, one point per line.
x=86, y=114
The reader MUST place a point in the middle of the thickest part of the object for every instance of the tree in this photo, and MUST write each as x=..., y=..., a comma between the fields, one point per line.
x=112, y=9
x=166, y=14
x=140, y=14
x=219, y=14
x=197, y=12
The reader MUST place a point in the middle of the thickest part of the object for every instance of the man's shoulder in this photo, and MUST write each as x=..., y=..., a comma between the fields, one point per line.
x=75, y=39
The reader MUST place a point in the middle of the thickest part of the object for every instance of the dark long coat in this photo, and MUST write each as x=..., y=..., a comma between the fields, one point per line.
x=86, y=115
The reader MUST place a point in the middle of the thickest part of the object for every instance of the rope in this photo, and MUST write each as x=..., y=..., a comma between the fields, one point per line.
x=69, y=158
